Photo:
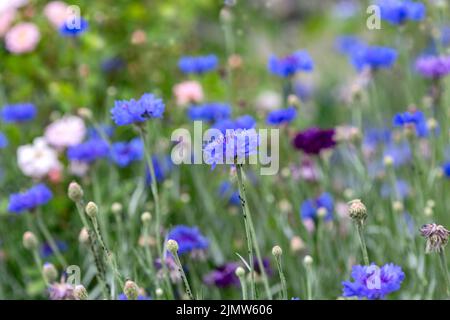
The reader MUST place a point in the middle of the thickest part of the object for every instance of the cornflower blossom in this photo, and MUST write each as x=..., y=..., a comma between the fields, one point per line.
x=434, y=67
x=242, y=122
x=398, y=12
x=88, y=151
x=65, y=132
x=73, y=29
x=414, y=119
x=37, y=160
x=18, y=113
x=30, y=199
x=314, y=140
x=372, y=282
x=189, y=239
x=137, y=111
x=210, y=112
x=223, y=276
x=373, y=57
x=291, y=64
x=281, y=116
x=22, y=38
x=198, y=65
x=310, y=209
x=124, y=153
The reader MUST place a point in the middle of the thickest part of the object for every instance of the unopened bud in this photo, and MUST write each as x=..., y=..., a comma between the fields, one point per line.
x=322, y=212
x=388, y=161
x=307, y=260
x=172, y=246
x=116, y=208
x=80, y=292
x=75, y=192
x=146, y=217
x=159, y=292
x=49, y=271
x=357, y=210
x=397, y=206
x=277, y=251
x=293, y=100
x=91, y=209
x=297, y=244
x=30, y=241
x=240, y=272
x=131, y=290
x=85, y=113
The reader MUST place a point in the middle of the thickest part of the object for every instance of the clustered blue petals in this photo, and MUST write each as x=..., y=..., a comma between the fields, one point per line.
x=399, y=11
x=137, y=111
x=374, y=57
x=210, y=112
x=372, y=282
x=188, y=238
x=198, y=64
x=242, y=122
x=416, y=119
x=124, y=153
x=88, y=151
x=309, y=208
x=74, y=28
x=17, y=113
x=281, y=116
x=36, y=196
x=291, y=64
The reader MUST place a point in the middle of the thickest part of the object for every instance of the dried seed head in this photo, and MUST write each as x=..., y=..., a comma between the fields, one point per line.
x=80, y=292
x=277, y=251
x=29, y=240
x=49, y=271
x=436, y=235
x=91, y=209
x=172, y=246
x=75, y=192
x=357, y=210
x=240, y=272
x=131, y=290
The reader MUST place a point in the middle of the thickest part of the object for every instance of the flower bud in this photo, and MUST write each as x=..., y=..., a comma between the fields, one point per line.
x=146, y=217
x=172, y=246
x=398, y=206
x=80, y=292
x=30, y=241
x=277, y=251
x=297, y=244
x=75, y=192
x=240, y=272
x=436, y=235
x=293, y=100
x=116, y=208
x=49, y=271
x=357, y=210
x=388, y=161
x=307, y=260
x=159, y=292
x=83, y=237
x=131, y=290
x=91, y=209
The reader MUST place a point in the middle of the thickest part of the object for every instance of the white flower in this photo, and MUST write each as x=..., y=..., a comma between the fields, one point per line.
x=65, y=132
x=38, y=159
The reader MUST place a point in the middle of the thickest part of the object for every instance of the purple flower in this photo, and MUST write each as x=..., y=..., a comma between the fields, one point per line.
x=88, y=151
x=17, y=113
x=415, y=119
x=74, y=28
x=309, y=208
x=124, y=153
x=372, y=282
x=223, y=276
x=210, y=112
x=314, y=140
x=137, y=111
x=188, y=238
x=291, y=64
x=434, y=67
x=281, y=116
x=30, y=199
x=61, y=291
x=399, y=11
x=122, y=296
x=198, y=65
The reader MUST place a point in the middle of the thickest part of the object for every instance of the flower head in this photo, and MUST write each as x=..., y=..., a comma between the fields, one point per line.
x=281, y=116
x=65, y=132
x=399, y=11
x=436, y=235
x=223, y=276
x=198, y=65
x=372, y=282
x=188, y=92
x=243, y=122
x=310, y=208
x=188, y=238
x=434, y=67
x=446, y=169
x=415, y=119
x=137, y=111
x=74, y=28
x=291, y=64
x=22, y=38
x=38, y=159
x=88, y=151
x=30, y=199
x=226, y=191
x=210, y=112
x=314, y=140
x=373, y=57
x=17, y=113
x=61, y=291
x=56, y=12
x=124, y=153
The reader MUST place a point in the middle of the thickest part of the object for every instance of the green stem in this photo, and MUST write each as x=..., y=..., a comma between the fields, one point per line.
x=183, y=276
x=282, y=278
x=362, y=241
x=308, y=283
x=443, y=260
x=244, y=288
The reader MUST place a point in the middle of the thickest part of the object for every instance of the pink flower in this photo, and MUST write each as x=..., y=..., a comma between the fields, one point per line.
x=187, y=92
x=22, y=38
x=56, y=13
x=6, y=18
x=65, y=132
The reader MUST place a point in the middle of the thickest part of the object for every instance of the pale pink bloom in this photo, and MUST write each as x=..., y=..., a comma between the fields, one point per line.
x=11, y=4
x=37, y=160
x=309, y=225
x=56, y=13
x=6, y=18
x=187, y=92
x=78, y=168
x=22, y=38
x=65, y=132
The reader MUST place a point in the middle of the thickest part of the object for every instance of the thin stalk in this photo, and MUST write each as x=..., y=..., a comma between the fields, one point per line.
x=362, y=241
x=183, y=276
x=282, y=278
x=443, y=260
x=308, y=283
x=243, y=288
x=39, y=265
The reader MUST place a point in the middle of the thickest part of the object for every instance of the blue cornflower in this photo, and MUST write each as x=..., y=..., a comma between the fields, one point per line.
x=188, y=238
x=88, y=151
x=346, y=44
x=3, y=141
x=281, y=116
x=309, y=208
x=446, y=169
x=375, y=136
x=30, y=199
x=74, y=28
x=47, y=251
x=210, y=112
x=399, y=152
x=113, y=64
x=399, y=11
x=20, y=112
x=122, y=296
x=198, y=64
x=401, y=186
x=136, y=111
x=374, y=57
x=291, y=64
x=372, y=282
x=124, y=153
x=416, y=119
x=234, y=146
x=227, y=192
x=242, y=122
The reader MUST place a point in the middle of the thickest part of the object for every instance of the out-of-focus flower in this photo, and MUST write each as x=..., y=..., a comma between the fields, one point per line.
x=138, y=37
x=372, y=282
x=223, y=276
x=3, y=141
x=314, y=140
x=162, y=166
x=242, y=122
x=227, y=192
x=61, y=291
x=345, y=9
x=113, y=64
x=38, y=159
x=268, y=100
x=7, y=16
x=311, y=207
x=446, y=169
x=12, y=4
x=281, y=116
x=415, y=119
x=122, y=296
x=17, y=113
x=436, y=235
x=401, y=187
x=188, y=92
x=88, y=151
x=373, y=57
x=124, y=153
x=74, y=28
x=30, y=199
x=399, y=11
x=210, y=112
x=189, y=239
x=346, y=44
x=434, y=67
x=22, y=38
x=56, y=13
x=137, y=111
x=46, y=250
x=198, y=65
x=291, y=64
x=65, y=132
